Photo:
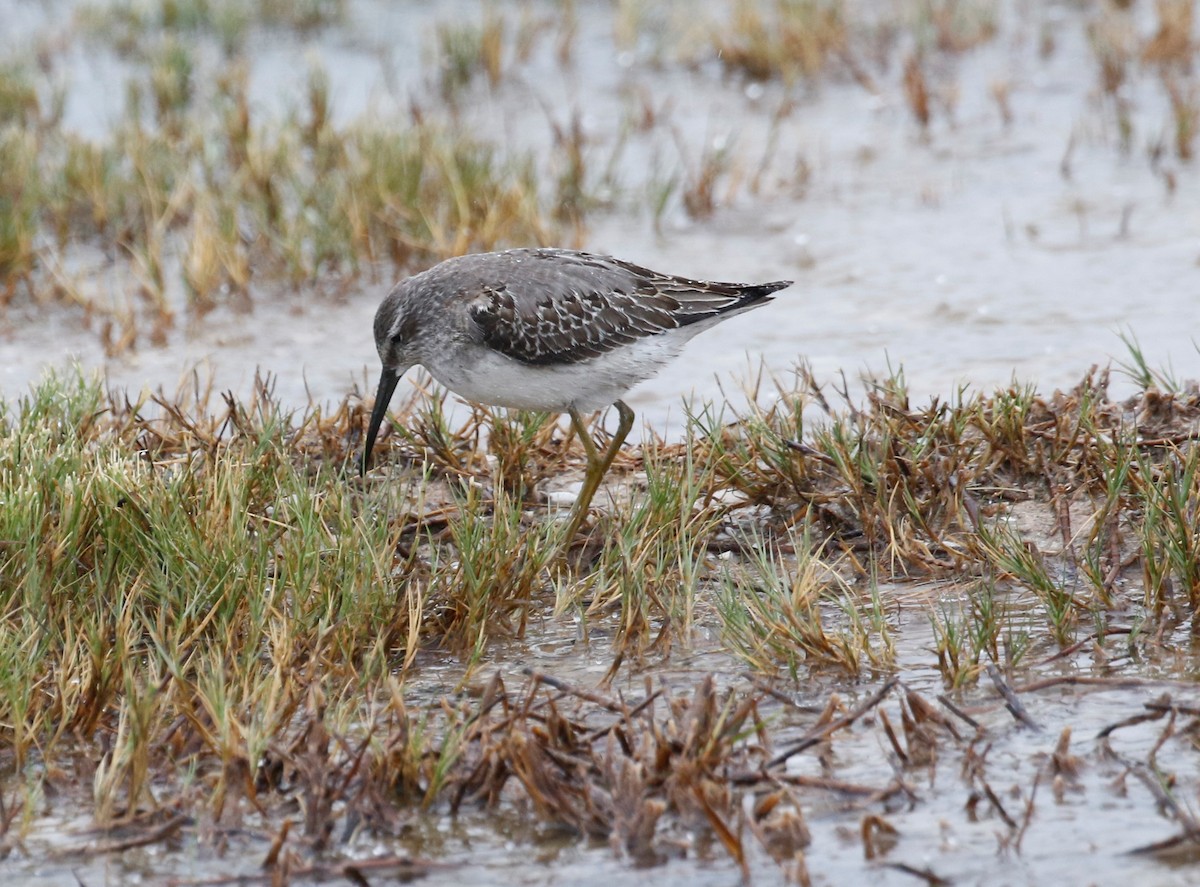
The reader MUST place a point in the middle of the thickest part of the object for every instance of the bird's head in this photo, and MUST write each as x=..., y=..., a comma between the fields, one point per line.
x=396, y=342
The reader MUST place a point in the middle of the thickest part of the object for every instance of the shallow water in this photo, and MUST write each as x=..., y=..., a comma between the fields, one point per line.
x=1083, y=831
x=967, y=258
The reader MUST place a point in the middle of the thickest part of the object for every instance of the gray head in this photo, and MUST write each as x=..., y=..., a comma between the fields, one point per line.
x=396, y=342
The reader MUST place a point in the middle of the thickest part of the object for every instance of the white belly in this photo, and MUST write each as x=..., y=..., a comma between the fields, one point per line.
x=484, y=376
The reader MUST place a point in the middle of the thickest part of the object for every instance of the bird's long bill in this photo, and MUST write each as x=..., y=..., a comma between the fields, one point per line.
x=383, y=396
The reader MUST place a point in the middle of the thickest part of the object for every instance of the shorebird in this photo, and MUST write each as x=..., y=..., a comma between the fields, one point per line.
x=552, y=330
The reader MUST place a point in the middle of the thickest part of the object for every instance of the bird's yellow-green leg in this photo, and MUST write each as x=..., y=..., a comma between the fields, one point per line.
x=597, y=466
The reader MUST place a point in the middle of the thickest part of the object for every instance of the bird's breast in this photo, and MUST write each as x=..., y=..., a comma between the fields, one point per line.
x=484, y=376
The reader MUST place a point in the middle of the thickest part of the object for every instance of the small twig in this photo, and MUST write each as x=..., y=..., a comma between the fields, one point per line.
x=626, y=718
x=958, y=712
x=891, y=735
x=1011, y=702
x=798, y=446
x=1078, y=645
x=828, y=784
x=780, y=696
x=1165, y=800
x=570, y=689
x=1167, y=705
x=833, y=726
x=1028, y=817
x=1091, y=681
x=1157, y=709
x=277, y=844
x=1167, y=732
x=1167, y=845
x=996, y=805
x=923, y=711
x=152, y=836
x=924, y=874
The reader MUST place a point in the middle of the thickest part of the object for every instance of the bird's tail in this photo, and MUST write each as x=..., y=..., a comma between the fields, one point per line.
x=721, y=300
x=757, y=292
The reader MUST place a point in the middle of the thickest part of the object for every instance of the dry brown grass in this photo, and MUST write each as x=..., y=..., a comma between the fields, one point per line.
x=184, y=583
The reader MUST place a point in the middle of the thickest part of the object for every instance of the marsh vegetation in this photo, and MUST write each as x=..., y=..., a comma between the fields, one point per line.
x=209, y=617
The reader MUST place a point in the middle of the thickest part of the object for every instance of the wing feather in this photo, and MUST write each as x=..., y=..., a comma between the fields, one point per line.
x=547, y=307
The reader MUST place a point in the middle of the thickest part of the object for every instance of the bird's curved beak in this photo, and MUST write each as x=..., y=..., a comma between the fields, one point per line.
x=383, y=396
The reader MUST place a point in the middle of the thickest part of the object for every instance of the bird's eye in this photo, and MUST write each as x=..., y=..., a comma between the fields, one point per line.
x=405, y=332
